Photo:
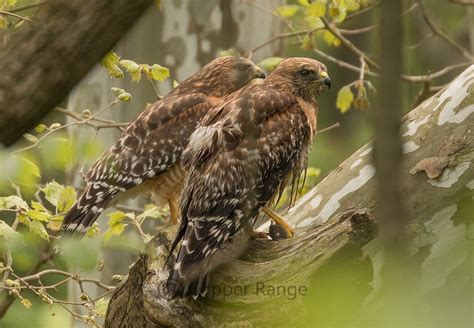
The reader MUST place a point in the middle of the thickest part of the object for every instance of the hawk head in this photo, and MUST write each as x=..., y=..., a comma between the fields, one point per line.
x=222, y=76
x=302, y=77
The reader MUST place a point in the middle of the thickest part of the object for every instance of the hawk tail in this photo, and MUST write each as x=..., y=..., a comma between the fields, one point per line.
x=86, y=210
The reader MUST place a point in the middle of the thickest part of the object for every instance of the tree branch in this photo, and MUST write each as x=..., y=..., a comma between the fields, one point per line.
x=53, y=54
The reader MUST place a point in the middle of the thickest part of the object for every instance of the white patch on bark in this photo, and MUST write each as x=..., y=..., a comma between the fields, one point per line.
x=409, y=146
x=365, y=174
x=414, y=125
x=264, y=227
x=458, y=90
x=450, y=176
x=365, y=152
x=356, y=163
x=448, y=253
x=305, y=222
x=315, y=202
x=470, y=184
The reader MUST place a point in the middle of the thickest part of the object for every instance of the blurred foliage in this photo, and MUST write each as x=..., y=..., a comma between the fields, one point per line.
x=33, y=202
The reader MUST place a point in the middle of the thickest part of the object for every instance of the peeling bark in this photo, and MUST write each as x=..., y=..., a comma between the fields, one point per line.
x=334, y=225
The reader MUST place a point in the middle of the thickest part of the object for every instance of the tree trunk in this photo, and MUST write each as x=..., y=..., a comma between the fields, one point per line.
x=335, y=244
x=46, y=59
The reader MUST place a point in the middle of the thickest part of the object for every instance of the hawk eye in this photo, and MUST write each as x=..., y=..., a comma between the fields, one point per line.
x=304, y=72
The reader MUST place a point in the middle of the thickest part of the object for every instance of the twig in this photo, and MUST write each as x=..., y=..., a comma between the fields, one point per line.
x=9, y=13
x=435, y=75
x=38, y=275
x=331, y=127
x=334, y=30
x=429, y=21
x=463, y=2
x=18, y=9
x=158, y=96
x=359, y=30
x=362, y=68
x=362, y=11
x=280, y=36
x=83, y=121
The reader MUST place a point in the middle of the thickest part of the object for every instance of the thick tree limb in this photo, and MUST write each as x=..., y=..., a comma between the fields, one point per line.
x=41, y=63
x=333, y=222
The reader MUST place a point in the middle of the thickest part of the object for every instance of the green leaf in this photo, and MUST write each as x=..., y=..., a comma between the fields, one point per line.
x=125, y=97
x=55, y=222
x=116, y=227
x=93, y=231
x=331, y=39
x=40, y=128
x=151, y=211
x=30, y=166
x=13, y=202
x=8, y=233
x=314, y=22
x=287, y=11
x=304, y=3
x=338, y=11
x=11, y=3
x=58, y=195
x=26, y=303
x=129, y=65
x=344, y=99
x=317, y=8
x=159, y=73
x=110, y=62
x=352, y=5
x=270, y=63
x=100, y=307
x=37, y=228
x=38, y=206
x=136, y=76
x=67, y=198
x=37, y=215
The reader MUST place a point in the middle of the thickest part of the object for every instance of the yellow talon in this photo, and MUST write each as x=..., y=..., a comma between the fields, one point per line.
x=280, y=221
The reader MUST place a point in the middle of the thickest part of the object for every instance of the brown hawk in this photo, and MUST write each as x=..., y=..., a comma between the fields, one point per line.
x=247, y=149
x=146, y=158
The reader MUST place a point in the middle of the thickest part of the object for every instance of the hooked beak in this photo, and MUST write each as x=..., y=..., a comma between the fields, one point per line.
x=259, y=74
x=325, y=80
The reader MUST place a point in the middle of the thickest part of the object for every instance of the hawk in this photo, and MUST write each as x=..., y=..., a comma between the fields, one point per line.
x=146, y=158
x=245, y=152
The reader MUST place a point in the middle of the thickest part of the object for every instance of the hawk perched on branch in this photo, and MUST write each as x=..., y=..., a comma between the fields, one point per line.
x=147, y=156
x=247, y=149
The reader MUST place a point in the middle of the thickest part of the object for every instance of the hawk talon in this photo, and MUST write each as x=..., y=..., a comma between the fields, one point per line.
x=279, y=222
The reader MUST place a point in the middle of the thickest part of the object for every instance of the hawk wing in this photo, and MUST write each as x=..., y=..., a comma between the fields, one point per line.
x=245, y=149
x=147, y=147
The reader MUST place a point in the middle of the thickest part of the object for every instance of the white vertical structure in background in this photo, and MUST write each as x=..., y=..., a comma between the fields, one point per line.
x=183, y=35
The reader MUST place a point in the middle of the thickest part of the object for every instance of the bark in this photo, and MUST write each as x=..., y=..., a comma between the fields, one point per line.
x=335, y=230
x=43, y=61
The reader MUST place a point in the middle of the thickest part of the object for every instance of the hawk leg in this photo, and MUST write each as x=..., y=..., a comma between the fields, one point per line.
x=280, y=221
x=174, y=210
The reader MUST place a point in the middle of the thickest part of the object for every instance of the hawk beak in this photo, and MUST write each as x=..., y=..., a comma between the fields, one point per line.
x=259, y=74
x=325, y=80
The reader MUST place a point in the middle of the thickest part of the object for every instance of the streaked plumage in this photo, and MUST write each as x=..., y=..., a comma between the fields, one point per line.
x=246, y=150
x=146, y=158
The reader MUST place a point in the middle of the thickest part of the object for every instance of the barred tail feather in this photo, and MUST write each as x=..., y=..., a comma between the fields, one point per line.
x=87, y=209
x=79, y=219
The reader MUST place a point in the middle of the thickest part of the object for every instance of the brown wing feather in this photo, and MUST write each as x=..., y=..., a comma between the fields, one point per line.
x=237, y=162
x=148, y=146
